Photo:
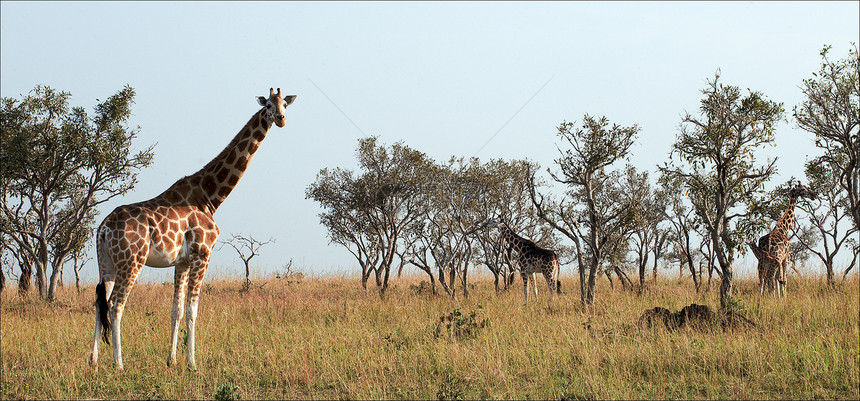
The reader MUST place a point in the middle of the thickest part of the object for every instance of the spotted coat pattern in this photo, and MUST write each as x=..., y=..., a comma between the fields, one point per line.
x=175, y=228
x=531, y=259
x=773, y=248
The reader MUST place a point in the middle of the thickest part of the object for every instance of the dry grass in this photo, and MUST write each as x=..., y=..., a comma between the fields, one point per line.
x=327, y=338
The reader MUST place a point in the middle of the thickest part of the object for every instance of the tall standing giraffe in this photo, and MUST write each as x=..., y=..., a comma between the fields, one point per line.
x=175, y=228
x=531, y=258
x=773, y=248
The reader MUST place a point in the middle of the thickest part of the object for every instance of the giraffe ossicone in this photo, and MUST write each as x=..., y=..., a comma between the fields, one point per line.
x=175, y=228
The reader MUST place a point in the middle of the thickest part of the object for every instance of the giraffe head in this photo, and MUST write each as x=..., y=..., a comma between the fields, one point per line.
x=495, y=222
x=802, y=190
x=275, y=106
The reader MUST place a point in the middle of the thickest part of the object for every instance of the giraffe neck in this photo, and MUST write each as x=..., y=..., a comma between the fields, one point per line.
x=783, y=225
x=512, y=238
x=209, y=187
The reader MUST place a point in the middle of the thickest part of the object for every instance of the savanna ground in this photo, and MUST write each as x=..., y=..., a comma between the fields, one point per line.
x=327, y=338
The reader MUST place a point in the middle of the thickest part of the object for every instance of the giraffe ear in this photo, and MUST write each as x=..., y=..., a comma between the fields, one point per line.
x=261, y=100
x=290, y=99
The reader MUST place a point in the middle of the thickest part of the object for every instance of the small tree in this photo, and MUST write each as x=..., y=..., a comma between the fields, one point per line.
x=717, y=167
x=369, y=213
x=682, y=228
x=649, y=207
x=831, y=112
x=58, y=164
x=825, y=222
x=247, y=248
x=606, y=211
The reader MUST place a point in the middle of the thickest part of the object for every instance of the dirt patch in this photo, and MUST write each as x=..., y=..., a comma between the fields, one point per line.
x=700, y=317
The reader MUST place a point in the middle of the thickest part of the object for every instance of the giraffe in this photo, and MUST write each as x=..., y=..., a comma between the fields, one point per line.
x=773, y=248
x=531, y=258
x=175, y=228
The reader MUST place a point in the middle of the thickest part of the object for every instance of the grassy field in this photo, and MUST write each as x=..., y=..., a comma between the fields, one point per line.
x=327, y=338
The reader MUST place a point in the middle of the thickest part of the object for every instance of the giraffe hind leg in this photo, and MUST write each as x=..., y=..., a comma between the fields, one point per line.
x=119, y=296
x=195, y=282
x=550, y=282
x=104, y=290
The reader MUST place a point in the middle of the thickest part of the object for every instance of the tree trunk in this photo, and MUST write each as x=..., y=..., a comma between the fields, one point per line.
x=41, y=286
x=26, y=277
x=726, y=287
x=693, y=273
x=247, y=285
x=583, y=289
x=432, y=283
x=452, y=277
x=654, y=274
x=726, y=265
x=465, y=281
x=42, y=269
x=77, y=274
x=829, y=267
x=385, y=281
x=364, y=277
x=609, y=276
x=378, y=276
x=56, y=275
x=592, y=280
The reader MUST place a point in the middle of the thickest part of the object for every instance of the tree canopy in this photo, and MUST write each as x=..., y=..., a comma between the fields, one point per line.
x=59, y=163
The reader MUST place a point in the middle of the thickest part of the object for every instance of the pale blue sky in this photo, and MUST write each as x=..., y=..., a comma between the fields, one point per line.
x=442, y=77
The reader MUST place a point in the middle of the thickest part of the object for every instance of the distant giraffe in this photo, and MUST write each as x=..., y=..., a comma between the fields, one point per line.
x=175, y=228
x=531, y=259
x=773, y=248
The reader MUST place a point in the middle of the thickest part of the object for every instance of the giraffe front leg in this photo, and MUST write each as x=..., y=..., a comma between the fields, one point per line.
x=195, y=282
x=525, y=278
x=534, y=283
x=180, y=285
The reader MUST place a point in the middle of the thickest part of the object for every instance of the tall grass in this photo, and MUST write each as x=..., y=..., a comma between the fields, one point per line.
x=327, y=338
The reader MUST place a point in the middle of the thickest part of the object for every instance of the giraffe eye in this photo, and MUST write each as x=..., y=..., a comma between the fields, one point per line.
x=269, y=105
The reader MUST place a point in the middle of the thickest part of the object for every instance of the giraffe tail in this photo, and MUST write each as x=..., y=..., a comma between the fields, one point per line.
x=102, y=310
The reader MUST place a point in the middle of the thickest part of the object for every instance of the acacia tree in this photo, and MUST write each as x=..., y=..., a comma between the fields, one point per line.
x=509, y=199
x=649, y=214
x=826, y=220
x=59, y=163
x=369, y=213
x=247, y=248
x=593, y=211
x=716, y=166
x=450, y=220
x=831, y=112
x=682, y=227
